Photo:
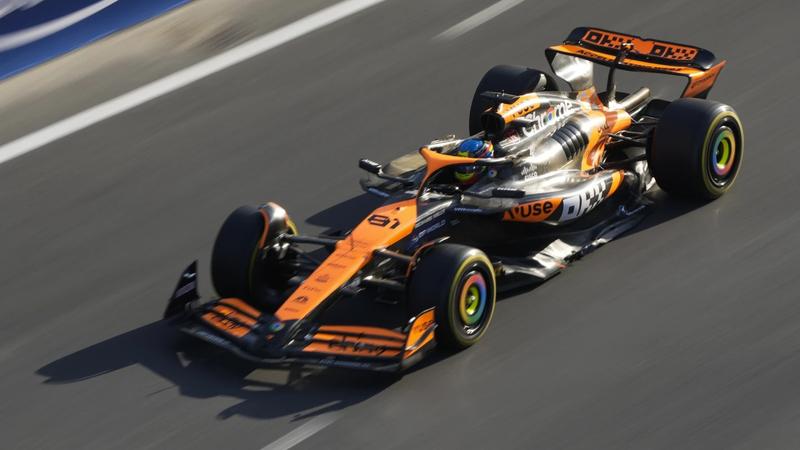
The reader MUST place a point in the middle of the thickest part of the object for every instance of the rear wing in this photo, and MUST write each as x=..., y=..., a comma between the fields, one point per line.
x=698, y=65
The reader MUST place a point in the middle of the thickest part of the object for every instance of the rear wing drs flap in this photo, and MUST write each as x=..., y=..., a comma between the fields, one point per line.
x=698, y=65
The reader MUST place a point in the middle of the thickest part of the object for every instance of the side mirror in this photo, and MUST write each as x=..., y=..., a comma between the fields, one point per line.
x=507, y=193
x=370, y=166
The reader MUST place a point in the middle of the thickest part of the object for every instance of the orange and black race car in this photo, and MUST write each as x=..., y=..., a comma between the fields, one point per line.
x=552, y=169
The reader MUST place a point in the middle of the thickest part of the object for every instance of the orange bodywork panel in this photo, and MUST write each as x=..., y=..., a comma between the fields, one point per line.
x=523, y=106
x=435, y=161
x=345, y=346
x=602, y=122
x=374, y=341
x=589, y=99
x=616, y=180
x=384, y=227
x=550, y=209
x=241, y=306
x=537, y=211
x=356, y=330
x=355, y=340
x=232, y=316
x=226, y=325
x=613, y=41
x=701, y=81
x=354, y=345
x=417, y=337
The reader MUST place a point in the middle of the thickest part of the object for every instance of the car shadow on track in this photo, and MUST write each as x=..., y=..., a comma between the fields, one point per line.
x=663, y=209
x=199, y=370
x=347, y=214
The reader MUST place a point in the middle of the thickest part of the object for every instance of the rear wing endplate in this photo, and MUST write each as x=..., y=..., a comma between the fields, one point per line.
x=698, y=65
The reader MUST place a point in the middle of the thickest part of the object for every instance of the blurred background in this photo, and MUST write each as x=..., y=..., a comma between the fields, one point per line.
x=684, y=333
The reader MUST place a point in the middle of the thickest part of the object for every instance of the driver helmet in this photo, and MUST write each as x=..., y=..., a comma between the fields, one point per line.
x=472, y=148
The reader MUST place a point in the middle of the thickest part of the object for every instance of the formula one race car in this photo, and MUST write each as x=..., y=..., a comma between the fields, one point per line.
x=552, y=169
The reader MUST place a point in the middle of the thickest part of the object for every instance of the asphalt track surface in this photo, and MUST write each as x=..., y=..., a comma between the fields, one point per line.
x=683, y=334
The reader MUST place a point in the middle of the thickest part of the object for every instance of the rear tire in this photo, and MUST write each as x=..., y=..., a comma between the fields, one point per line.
x=515, y=80
x=459, y=281
x=696, y=149
x=237, y=267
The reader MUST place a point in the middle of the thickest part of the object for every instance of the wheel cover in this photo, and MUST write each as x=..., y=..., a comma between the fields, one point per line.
x=472, y=301
x=722, y=159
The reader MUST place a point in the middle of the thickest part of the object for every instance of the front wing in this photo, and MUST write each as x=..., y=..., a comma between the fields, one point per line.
x=234, y=325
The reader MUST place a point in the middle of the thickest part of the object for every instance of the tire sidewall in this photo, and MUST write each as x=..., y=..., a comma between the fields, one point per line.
x=477, y=261
x=236, y=267
x=235, y=250
x=436, y=281
x=723, y=118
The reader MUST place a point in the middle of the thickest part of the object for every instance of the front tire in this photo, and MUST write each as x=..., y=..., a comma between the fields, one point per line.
x=459, y=281
x=240, y=265
x=696, y=149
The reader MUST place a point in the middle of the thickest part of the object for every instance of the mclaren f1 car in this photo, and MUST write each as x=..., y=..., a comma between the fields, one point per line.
x=553, y=168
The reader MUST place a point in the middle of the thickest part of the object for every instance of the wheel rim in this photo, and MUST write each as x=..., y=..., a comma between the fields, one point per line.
x=723, y=157
x=473, y=301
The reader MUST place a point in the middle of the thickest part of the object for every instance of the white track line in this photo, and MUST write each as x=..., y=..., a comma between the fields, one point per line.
x=182, y=78
x=302, y=432
x=28, y=35
x=477, y=19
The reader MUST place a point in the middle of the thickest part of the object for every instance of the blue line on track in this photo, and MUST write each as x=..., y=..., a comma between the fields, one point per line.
x=35, y=31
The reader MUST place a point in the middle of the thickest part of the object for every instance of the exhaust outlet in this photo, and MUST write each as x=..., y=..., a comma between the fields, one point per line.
x=635, y=100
